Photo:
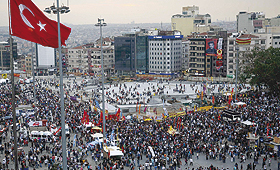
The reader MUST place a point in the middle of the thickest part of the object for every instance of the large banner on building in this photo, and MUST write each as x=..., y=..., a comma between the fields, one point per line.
x=46, y=57
x=211, y=47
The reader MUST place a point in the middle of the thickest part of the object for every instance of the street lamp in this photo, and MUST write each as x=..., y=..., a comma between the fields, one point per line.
x=63, y=9
x=57, y=10
x=101, y=24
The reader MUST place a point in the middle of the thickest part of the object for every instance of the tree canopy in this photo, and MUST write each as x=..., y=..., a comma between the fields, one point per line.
x=263, y=67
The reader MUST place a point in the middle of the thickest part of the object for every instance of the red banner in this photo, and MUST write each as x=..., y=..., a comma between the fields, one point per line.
x=219, y=63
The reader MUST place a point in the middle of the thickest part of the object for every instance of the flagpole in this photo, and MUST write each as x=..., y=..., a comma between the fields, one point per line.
x=13, y=89
x=13, y=102
x=236, y=70
x=32, y=64
x=64, y=164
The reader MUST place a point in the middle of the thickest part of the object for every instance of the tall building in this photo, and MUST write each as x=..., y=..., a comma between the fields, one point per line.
x=190, y=21
x=253, y=22
x=131, y=52
x=5, y=55
x=165, y=53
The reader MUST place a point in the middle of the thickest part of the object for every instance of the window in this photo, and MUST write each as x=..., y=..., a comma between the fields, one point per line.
x=230, y=42
x=262, y=41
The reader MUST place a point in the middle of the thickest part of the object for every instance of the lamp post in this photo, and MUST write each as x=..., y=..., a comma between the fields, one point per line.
x=101, y=24
x=57, y=10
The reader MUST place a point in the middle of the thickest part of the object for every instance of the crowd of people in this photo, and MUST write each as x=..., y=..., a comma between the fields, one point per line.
x=145, y=144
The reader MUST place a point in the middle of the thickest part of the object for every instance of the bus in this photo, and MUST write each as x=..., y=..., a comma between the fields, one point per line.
x=43, y=135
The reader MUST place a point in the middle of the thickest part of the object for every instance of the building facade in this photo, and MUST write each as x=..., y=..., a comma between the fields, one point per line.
x=256, y=42
x=197, y=65
x=253, y=22
x=276, y=41
x=87, y=59
x=165, y=53
x=131, y=53
x=5, y=55
x=185, y=55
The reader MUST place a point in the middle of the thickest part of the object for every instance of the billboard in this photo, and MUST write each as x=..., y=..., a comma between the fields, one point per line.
x=45, y=57
x=211, y=47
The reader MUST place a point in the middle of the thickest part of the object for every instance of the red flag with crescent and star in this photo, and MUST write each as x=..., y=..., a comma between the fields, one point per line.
x=28, y=22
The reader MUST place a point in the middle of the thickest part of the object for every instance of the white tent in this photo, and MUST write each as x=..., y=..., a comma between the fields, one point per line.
x=114, y=151
x=239, y=103
x=248, y=123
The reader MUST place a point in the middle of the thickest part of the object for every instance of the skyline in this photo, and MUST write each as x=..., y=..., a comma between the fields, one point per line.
x=147, y=11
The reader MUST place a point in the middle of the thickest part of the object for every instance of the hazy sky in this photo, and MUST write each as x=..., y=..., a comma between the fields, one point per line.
x=148, y=11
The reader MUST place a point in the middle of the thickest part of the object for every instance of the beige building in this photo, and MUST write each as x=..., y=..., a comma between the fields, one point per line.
x=190, y=21
x=24, y=63
x=78, y=60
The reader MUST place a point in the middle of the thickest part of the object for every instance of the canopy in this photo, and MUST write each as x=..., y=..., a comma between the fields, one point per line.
x=248, y=123
x=96, y=128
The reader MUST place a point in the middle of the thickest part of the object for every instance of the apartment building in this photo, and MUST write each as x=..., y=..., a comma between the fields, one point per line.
x=256, y=42
x=87, y=59
x=197, y=64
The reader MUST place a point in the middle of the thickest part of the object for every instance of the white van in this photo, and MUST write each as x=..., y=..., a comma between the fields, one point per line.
x=67, y=132
x=43, y=135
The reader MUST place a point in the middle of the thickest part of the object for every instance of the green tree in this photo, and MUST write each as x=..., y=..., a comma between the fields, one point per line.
x=263, y=67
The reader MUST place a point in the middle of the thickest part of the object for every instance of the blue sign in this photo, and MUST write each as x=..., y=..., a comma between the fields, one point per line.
x=166, y=37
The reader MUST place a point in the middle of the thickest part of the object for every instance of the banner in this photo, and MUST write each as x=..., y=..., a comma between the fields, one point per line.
x=211, y=47
x=219, y=63
x=220, y=43
x=243, y=41
x=220, y=54
x=35, y=123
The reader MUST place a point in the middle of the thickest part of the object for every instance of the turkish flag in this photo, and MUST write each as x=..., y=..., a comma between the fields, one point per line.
x=28, y=22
